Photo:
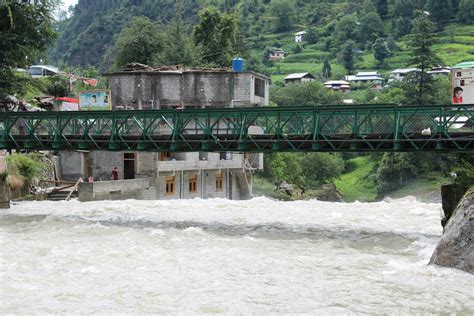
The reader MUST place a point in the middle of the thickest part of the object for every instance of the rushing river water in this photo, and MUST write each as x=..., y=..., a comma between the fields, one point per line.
x=231, y=257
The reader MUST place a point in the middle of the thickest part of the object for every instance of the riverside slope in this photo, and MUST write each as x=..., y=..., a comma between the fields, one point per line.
x=456, y=247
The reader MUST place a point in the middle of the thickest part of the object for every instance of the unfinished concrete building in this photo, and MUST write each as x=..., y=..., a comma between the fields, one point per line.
x=163, y=175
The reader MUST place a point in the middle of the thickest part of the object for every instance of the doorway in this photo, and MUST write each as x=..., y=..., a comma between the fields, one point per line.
x=129, y=165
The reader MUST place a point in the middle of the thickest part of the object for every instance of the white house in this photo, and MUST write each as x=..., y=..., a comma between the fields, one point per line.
x=299, y=78
x=37, y=71
x=370, y=77
x=299, y=36
x=436, y=72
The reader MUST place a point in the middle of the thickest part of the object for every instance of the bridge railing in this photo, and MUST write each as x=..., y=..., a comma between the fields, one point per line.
x=331, y=128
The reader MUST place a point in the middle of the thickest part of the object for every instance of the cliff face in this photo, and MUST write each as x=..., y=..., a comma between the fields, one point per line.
x=456, y=247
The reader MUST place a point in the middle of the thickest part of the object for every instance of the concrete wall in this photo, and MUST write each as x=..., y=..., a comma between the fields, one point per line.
x=134, y=90
x=140, y=189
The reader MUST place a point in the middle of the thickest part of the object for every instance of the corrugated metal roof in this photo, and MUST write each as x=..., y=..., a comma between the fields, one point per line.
x=300, y=33
x=466, y=64
x=298, y=75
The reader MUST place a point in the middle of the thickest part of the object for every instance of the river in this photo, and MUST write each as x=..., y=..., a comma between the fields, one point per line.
x=227, y=257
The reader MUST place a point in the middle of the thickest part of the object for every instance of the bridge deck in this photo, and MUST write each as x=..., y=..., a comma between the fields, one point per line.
x=331, y=128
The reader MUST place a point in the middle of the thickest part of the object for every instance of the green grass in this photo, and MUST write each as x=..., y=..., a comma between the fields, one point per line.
x=358, y=183
x=423, y=188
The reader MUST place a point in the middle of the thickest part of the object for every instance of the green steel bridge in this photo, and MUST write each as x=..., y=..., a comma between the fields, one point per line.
x=263, y=129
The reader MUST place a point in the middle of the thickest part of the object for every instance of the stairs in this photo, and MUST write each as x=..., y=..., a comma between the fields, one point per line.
x=60, y=195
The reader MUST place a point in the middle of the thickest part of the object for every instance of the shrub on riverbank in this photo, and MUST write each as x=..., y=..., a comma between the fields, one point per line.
x=23, y=170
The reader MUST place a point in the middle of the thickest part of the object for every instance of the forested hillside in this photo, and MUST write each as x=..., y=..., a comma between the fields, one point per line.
x=88, y=36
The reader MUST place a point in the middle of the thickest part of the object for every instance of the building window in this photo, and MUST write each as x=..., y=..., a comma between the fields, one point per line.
x=219, y=181
x=260, y=87
x=169, y=185
x=225, y=155
x=192, y=183
x=164, y=155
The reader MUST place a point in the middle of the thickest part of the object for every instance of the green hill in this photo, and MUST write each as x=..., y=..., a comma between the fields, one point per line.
x=88, y=36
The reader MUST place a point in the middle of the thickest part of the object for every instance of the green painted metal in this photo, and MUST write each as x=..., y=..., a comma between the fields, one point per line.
x=265, y=129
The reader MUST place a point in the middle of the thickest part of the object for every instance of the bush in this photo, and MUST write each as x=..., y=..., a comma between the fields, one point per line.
x=28, y=167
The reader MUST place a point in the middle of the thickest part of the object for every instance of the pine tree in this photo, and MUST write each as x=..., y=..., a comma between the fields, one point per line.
x=382, y=8
x=440, y=11
x=348, y=57
x=381, y=50
x=326, y=69
x=422, y=57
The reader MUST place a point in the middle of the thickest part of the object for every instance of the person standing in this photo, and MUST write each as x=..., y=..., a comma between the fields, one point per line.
x=115, y=174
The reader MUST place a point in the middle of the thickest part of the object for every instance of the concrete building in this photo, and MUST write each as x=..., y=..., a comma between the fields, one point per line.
x=299, y=78
x=38, y=71
x=163, y=175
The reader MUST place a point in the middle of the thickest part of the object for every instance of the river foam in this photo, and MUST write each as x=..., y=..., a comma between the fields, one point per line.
x=232, y=257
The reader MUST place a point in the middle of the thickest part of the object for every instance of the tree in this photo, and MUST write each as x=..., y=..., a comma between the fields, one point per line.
x=311, y=37
x=283, y=11
x=466, y=11
x=345, y=29
x=422, y=57
x=326, y=69
x=216, y=35
x=440, y=11
x=382, y=8
x=381, y=50
x=139, y=41
x=319, y=168
x=177, y=45
x=348, y=56
x=305, y=94
x=371, y=27
x=26, y=29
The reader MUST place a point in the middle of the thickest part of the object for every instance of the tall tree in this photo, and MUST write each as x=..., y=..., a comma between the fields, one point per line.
x=26, y=29
x=381, y=50
x=382, y=8
x=139, y=42
x=466, y=11
x=423, y=57
x=348, y=56
x=370, y=28
x=177, y=46
x=440, y=11
x=326, y=69
x=216, y=34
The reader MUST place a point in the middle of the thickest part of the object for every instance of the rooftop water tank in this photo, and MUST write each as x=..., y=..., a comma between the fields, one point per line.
x=238, y=64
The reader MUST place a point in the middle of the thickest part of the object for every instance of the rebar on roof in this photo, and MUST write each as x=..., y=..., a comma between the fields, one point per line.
x=137, y=67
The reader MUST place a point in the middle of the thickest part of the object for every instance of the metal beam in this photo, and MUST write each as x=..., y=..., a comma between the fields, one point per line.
x=264, y=129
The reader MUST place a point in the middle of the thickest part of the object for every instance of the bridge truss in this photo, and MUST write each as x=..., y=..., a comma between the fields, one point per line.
x=263, y=129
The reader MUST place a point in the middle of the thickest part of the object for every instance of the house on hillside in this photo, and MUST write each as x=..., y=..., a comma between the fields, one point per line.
x=370, y=77
x=37, y=71
x=299, y=36
x=276, y=54
x=436, y=72
x=338, y=85
x=399, y=74
x=299, y=78
x=172, y=175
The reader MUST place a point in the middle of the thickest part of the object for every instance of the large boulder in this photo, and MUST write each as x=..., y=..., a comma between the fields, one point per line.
x=456, y=247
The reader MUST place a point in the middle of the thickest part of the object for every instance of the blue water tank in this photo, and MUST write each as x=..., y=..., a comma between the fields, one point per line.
x=238, y=64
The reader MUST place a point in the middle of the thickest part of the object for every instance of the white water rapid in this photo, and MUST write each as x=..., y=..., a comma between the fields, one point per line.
x=228, y=257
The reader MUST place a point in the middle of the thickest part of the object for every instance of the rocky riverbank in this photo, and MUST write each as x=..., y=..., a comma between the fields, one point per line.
x=456, y=247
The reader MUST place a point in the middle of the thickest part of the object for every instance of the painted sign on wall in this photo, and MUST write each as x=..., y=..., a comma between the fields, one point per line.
x=462, y=86
x=94, y=100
